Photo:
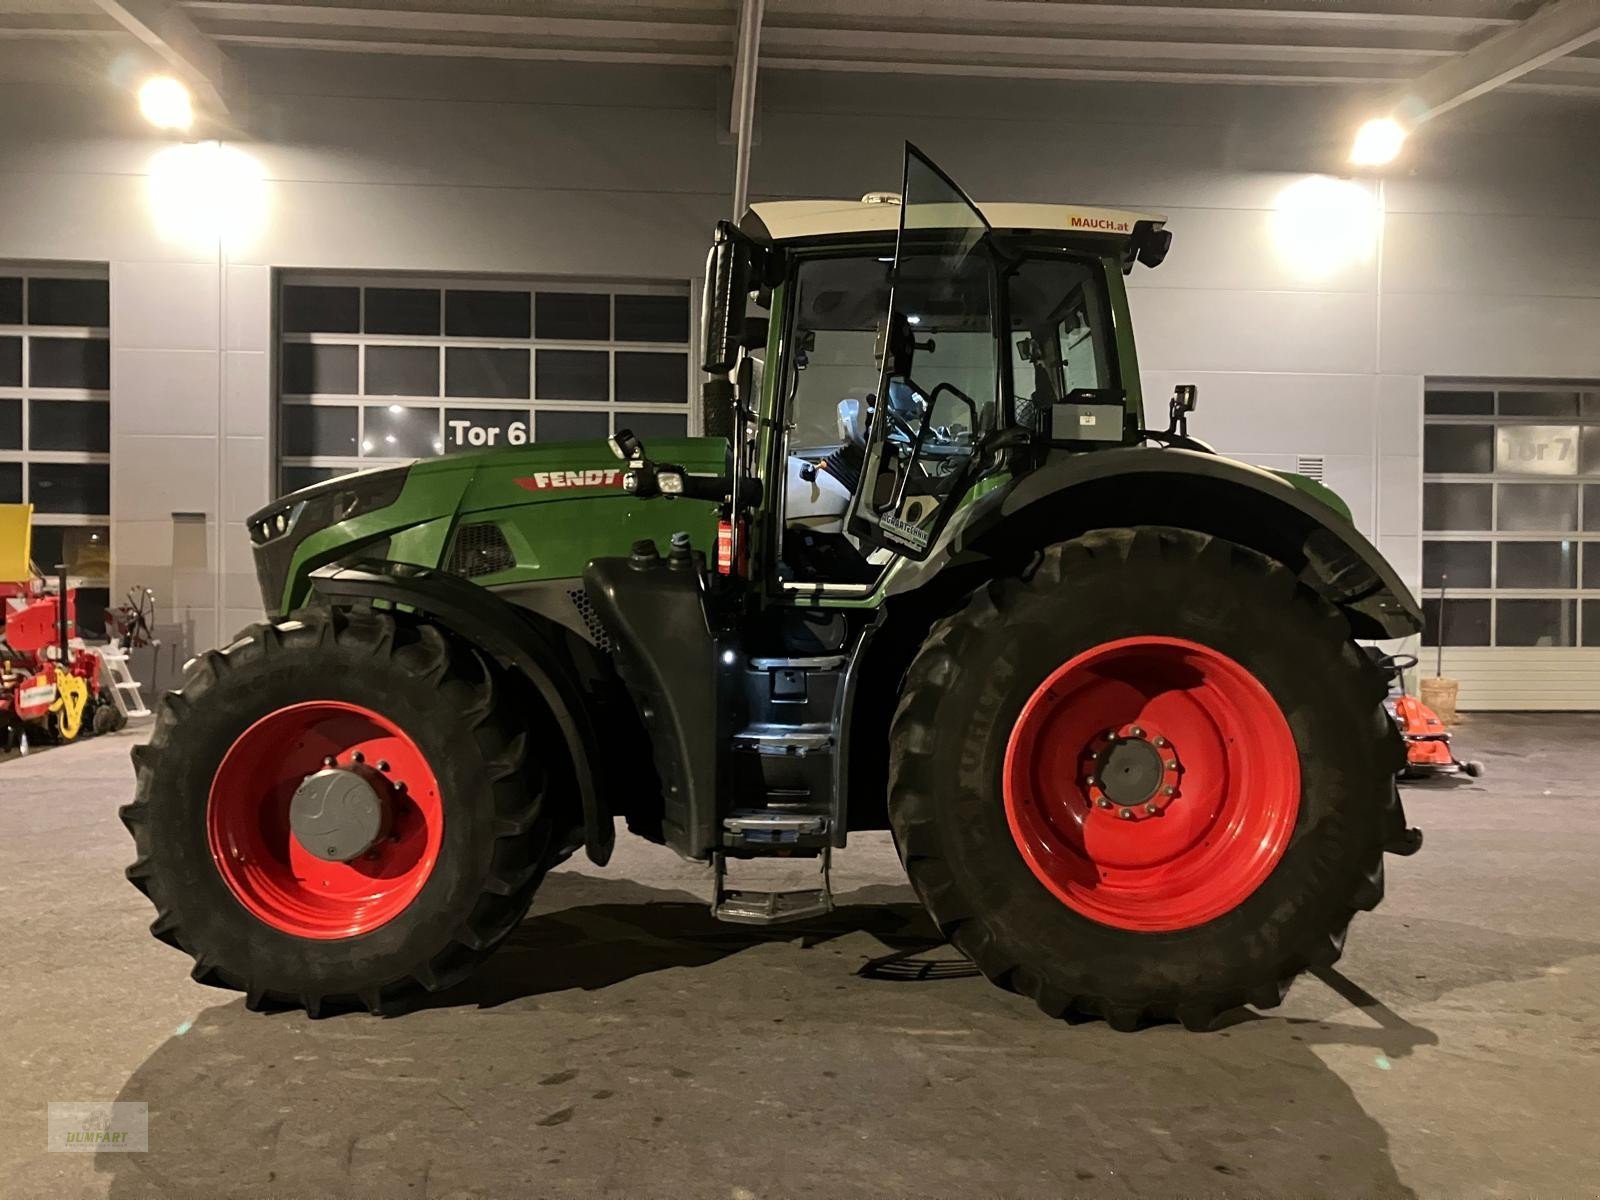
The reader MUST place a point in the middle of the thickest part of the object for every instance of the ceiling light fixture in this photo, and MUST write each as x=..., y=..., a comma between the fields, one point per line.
x=1377, y=143
x=166, y=104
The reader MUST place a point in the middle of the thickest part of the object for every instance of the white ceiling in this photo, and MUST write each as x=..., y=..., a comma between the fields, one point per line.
x=1246, y=41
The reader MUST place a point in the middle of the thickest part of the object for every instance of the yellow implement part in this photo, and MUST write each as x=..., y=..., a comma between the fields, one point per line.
x=16, y=525
x=72, y=694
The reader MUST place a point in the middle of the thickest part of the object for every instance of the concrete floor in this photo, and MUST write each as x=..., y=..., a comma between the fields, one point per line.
x=623, y=1044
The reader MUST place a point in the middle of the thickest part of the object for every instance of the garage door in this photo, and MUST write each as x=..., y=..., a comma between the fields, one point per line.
x=375, y=370
x=55, y=419
x=1511, y=541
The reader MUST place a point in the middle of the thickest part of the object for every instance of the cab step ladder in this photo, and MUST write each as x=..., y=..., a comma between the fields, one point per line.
x=743, y=905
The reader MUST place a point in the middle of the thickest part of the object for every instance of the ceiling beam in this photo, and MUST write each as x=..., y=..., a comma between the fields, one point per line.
x=166, y=29
x=1553, y=32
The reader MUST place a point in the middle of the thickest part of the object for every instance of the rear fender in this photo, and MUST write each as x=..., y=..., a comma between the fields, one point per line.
x=508, y=634
x=1071, y=494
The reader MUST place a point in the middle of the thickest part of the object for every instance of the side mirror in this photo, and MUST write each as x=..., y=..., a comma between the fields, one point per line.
x=723, y=303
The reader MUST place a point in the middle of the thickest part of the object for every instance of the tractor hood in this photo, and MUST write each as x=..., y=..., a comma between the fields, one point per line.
x=410, y=514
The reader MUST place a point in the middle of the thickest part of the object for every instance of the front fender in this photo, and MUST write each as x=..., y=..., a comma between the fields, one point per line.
x=1207, y=493
x=506, y=633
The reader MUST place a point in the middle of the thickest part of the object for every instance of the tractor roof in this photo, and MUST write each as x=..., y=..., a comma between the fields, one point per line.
x=786, y=220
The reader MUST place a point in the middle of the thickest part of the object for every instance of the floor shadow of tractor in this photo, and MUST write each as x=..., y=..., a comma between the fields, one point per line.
x=587, y=932
x=624, y=1043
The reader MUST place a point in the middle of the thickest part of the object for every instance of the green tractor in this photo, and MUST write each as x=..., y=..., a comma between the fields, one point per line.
x=928, y=571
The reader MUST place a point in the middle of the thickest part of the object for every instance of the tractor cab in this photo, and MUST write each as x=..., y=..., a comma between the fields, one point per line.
x=912, y=354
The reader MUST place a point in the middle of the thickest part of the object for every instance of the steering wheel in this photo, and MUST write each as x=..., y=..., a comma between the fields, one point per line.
x=1398, y=662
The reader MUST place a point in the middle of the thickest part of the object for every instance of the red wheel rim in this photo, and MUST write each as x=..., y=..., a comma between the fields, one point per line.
x=1151, y=783
x=264, y=864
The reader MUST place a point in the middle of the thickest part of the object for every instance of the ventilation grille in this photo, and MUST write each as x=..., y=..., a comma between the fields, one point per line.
x=1309, y=465
x=591, y=619
x=480, y=550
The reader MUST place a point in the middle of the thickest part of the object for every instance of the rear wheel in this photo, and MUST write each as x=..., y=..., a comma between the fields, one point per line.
x=337, y=809
x=1151, y=781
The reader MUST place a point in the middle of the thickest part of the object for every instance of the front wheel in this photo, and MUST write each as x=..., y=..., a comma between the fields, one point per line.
x=337, y=809
x=1150, y=781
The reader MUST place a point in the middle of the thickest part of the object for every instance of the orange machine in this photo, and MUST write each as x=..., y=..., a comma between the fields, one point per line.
x=1428, y=751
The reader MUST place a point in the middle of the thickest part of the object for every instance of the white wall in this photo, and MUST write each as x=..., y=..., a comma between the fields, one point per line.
x=1488, y=261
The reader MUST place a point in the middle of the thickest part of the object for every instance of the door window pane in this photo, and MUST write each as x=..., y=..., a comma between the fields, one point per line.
x=491, y=374
x=1537, y=507
x=69, y=425
x=486, y=314
x=403, y=310
x=402, y=371
x=1591, y=507
x=70, y=487
x=10, y=482
x=308, y=430
x=1466, y=622
x=1591, y=622
x=10, y=300
x=1536, y=565
x=574, y=375
x=573, y=316
x=85, y=550
x=654, y=424
x=1535, y=623
x=308, y=309
x=1455, y=564
x=556, y=425
x=69, y=302
x=1450, y=506
x=652, y=378
x=652, y=318
x=484, y=428
x=325, y=370
x=1458, y=449
x=1589, y=455
x=10, y=362
x=69, y=362
x=1591, y=565
x=401, y=431
x=1458, y=404
x=10, y=424
x=1539, y=404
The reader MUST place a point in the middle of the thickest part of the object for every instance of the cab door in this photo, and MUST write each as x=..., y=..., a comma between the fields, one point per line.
x=937, y=391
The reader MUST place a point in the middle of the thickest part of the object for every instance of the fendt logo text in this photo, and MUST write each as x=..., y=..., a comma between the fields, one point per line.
x=542, y=480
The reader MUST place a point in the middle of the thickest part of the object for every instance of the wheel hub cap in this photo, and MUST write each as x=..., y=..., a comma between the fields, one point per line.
x=1133, y=771
x=338, y=813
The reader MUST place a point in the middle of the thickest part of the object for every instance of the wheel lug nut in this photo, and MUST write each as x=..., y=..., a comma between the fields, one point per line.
x=1126, y=814
x=1151, y=809
x=1135, y=732
x=330, y=761
x=358, y=757
x=1169, y=791
x=1172, y=764
x=1161, y=741
x=1094, y=781
x=383, y=764
x=1103, y=802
